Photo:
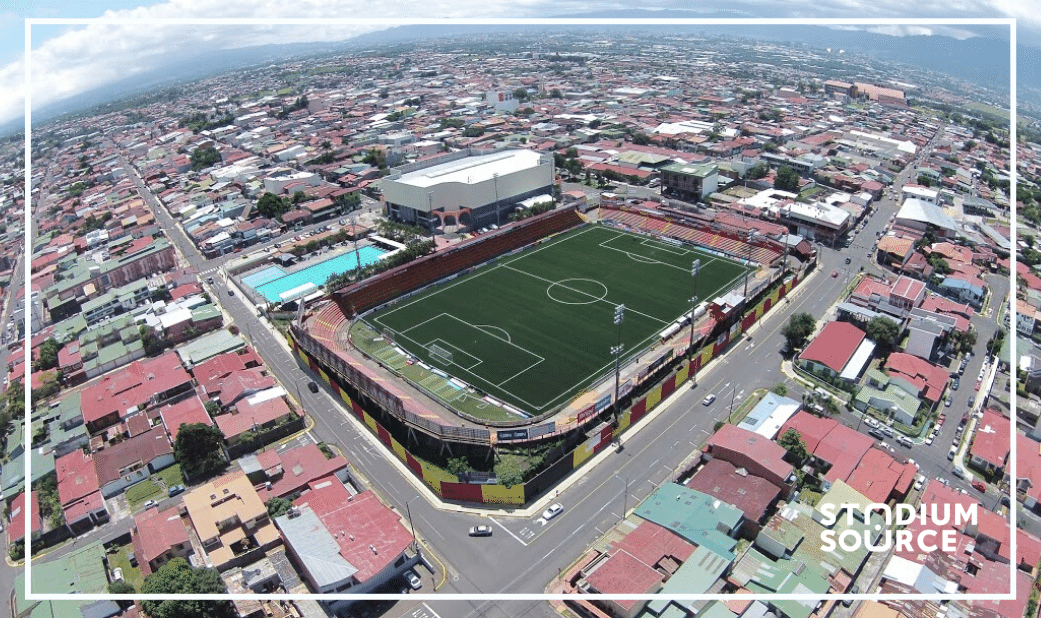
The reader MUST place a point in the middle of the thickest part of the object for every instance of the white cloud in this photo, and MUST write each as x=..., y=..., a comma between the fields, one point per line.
x=86, y=57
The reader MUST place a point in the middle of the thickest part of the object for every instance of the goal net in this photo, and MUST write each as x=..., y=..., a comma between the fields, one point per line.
x=440, y=354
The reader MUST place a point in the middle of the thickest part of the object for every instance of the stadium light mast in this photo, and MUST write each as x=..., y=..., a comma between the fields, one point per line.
x=751, y=234
x=619, y=317
x=787, y=239
x=695, y=270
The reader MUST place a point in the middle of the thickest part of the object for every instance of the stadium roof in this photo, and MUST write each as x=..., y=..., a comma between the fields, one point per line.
x=473, y=170
x=915, y=209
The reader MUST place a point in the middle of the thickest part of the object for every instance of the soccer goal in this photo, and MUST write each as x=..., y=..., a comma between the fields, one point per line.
x=441, y=354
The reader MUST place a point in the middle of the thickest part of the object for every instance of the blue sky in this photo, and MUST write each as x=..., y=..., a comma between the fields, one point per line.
x=68, y=60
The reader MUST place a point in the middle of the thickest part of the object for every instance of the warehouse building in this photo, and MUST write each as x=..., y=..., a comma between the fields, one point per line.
x=466, y=188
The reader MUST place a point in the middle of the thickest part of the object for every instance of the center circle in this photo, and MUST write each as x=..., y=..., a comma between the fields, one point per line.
x=577, y=291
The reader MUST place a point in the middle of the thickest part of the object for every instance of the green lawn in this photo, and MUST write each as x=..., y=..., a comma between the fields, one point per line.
x=151, y=489
x=121, y=559
x=145, y=490
x=534, y=329
x=171, y=475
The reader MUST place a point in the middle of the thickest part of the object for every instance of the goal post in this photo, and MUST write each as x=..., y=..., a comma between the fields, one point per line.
x=439, y=353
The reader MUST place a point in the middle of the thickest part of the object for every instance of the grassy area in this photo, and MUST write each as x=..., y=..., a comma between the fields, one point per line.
x=145, y=490
x=155, y=486
x=535, y=329
x=171, y=475
x=121, y=559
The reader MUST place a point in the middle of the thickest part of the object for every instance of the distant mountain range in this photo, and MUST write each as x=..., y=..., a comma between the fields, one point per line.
x=983, y=60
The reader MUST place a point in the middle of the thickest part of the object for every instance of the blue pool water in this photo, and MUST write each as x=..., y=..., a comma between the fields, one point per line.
x=318, y=273
x=264, y=276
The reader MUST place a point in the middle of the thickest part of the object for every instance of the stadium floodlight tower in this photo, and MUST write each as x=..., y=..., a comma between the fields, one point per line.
x=619, y=317
x=695, y=270
x=751, y=235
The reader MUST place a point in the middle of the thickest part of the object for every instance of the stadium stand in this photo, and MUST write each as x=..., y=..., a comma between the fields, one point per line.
x=712, y=236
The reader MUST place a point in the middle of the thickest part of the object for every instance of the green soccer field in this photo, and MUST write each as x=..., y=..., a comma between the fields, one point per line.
x=536, y=328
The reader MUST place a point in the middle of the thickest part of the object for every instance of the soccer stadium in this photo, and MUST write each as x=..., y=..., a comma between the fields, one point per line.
x=511, y=335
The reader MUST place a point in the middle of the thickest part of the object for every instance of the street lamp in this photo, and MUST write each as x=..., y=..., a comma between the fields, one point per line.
x=625, y=497
x=619, y=317
x=733, y=395
x=411, y=525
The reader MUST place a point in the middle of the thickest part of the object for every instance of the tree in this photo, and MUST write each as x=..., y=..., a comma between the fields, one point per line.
x=277, y=507
x=963, y=341
x=121, y=586
x=799, y=327
x=48, y=355
x=203, y=157
x=641, y=139
x=792, y=442
x=780, y=389
x=757, y=171
x=199, y=449
x=179, y=577
x=521, y=94
x=272, y=206
x=787, y=179
x=884, y=332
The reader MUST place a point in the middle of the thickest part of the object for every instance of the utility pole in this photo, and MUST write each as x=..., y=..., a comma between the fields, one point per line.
x=695, y=270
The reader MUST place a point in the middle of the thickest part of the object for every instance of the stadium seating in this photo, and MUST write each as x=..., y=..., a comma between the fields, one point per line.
x=377, y=290
x=730, y=243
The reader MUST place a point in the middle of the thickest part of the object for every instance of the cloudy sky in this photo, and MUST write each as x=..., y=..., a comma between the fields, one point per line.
x=67, y=60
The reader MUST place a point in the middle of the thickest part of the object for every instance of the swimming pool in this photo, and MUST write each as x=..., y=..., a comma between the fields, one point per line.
x=263, y=276
x=317, y=274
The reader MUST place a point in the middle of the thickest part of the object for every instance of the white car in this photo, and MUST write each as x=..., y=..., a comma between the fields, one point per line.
x=919, y=482
x=413, y=580
x=552, y=511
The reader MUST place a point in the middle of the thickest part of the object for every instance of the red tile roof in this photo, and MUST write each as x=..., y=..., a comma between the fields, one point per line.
x=757, y=454
x=750, y=493
x=16, y=528
x=930, y=379
x=133, y=386
x=834, y=346
x=993, y=439
x=830, y=441
x=184, y=412
x=650, y=543
x=291, y=471
x=1028, y=455
x=159, y=531
x=144, y=448
x=246, y=416
x=622, y=573
x=357, y=524
x=76, y=476
x=876, y=475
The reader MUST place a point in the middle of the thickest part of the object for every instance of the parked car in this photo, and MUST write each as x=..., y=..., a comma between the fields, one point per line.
x=919, y=482
x=958, y=471
x=312, y=386
x=951, y=453
x=875, y=433
x=481, y=531
x=552, y=511
x=413, y=579
x=174, y=490
x=231, y=292
x=150, y=504
x=979, y=486
x=870, y=422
